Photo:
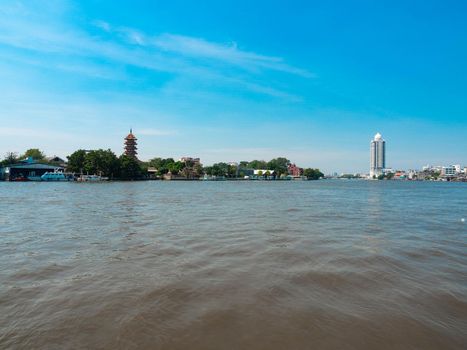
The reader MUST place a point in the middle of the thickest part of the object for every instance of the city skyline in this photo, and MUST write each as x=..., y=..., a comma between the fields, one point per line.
x=312, y=82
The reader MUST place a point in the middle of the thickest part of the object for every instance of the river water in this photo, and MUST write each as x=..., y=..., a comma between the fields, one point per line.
x=233, y=265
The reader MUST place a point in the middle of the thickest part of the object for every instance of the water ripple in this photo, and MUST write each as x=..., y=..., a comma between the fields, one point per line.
x=233, y=265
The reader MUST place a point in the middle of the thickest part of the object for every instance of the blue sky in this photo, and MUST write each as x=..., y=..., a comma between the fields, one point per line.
x=238, y=80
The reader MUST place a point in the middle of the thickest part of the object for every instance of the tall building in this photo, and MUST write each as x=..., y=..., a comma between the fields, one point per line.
x=377, y=156
x=130, y=145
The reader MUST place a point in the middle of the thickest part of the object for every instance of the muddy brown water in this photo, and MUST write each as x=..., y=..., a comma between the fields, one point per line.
x=233, y=265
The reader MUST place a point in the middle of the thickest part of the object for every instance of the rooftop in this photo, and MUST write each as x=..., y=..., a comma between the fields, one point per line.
x=33, y=166
x=131, y=136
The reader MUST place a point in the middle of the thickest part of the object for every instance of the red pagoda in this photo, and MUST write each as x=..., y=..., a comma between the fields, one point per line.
x=130, y=145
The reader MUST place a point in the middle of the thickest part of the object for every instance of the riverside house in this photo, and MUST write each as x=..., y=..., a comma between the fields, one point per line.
x=26, y=170
x=263, y=174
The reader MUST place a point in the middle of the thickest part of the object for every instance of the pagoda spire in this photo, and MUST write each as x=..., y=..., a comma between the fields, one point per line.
x=130, y=145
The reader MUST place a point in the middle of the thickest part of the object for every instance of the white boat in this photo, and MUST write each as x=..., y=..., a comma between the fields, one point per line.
x=92, y=178
x=57, y=176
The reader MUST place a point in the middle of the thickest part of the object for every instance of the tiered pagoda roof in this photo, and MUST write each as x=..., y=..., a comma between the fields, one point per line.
x=131, y=148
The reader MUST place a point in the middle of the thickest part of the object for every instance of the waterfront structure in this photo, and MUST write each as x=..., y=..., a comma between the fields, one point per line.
x=449, y=170
x=192, y=160
x=152, y=172
x=131, y=149
x=399, y=175
x=56, y=161
x=294, y=170
x=432, y=168
x=377, y=156
x=246, y=171
x=412, y=174
x=192, y=168
x=169, y=176
x=264, y=174
x=27, y=170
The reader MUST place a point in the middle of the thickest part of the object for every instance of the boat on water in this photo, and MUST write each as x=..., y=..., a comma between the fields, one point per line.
x=92, y=178
x=20, y=178
x=212, y=178
x=57, y=176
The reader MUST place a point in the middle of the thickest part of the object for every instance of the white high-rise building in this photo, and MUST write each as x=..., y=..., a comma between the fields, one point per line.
x=449, y=170
x=377, y=156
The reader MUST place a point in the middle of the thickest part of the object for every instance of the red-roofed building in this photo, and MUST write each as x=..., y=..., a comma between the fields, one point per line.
x=294, y=170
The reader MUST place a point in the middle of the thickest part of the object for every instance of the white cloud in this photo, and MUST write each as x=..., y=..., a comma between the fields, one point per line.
x=199, y=47
x=102, y=25
x=48, y=32
x=203, y=49
x=227, y=53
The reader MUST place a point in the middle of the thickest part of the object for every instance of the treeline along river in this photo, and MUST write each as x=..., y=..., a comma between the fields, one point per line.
x=233, y=265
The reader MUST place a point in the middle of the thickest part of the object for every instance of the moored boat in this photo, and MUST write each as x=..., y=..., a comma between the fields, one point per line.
x=57, y=176
x=92, y=178
x=20, y=179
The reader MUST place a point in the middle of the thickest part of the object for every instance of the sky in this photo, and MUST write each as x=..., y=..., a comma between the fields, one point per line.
x=238, y=80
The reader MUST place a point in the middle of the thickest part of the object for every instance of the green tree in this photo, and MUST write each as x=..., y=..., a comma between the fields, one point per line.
x=76, y=161
x=198, y=169
x=258, y=164
x=144, y=166
x=312, y=174
x=155, y=163
x=175, y=167
x=279, y=165
x=102, y=162
x=129, y=168
x=232, y=171
x=10, y=158
x=163, y=166
x=35, y=153
x=220, y=169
